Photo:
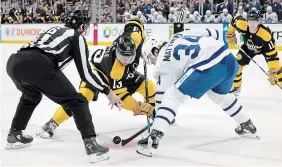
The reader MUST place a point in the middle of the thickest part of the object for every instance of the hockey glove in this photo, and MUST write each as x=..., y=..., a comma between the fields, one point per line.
x=231, y=38
x=272, y=76
x=143, y=109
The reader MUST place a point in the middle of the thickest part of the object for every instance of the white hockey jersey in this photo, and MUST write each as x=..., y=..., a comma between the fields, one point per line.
x=196, y=48
x=209, y=19
x=224, y=18
x=270, y=17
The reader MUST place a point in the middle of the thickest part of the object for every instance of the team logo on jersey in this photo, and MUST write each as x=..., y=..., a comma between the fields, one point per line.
x=251, y=46
x=239, y=57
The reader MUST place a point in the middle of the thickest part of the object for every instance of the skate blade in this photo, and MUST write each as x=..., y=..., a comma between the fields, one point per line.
x=251, y=136
x=16, y=145
x=149, y=152
x=44, y=134
x=93, y=158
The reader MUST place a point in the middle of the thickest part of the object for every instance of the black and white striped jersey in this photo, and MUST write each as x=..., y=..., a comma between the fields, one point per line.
x=66, y=44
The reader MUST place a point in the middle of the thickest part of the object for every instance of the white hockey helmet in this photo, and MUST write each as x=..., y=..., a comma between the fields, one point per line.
x=150, y=49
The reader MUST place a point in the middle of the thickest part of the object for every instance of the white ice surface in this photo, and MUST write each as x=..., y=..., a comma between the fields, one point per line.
x=204, y=134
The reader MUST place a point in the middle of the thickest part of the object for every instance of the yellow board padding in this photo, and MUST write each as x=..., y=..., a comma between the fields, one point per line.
x=27, y=41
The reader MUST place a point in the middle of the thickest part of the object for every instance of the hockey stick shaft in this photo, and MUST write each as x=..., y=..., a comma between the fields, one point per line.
x=126, y=141
x=146, y=90
x=255, y=63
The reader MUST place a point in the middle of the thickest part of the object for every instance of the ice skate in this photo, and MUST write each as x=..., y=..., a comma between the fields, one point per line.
x=149, y=145
x=95, y=151
x=235, y=91
x=247, y=129
x=16, y=139
x=48, y=130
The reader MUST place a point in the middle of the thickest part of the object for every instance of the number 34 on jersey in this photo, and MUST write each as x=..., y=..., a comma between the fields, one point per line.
x=185, y=51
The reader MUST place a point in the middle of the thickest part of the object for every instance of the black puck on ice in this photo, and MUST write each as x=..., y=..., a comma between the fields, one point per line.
x=117, y=140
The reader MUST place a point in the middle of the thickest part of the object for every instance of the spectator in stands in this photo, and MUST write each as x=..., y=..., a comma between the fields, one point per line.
x=256, y=4
x=138, y=8
x=189, y=17
x=277, y=8
x=270, y=16
x=147, y=6
x=202, y=6
x=241, y=12
x=209, y=17
x=224, y=17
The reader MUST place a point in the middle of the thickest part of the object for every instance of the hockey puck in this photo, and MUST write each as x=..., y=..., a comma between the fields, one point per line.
x=117, y=140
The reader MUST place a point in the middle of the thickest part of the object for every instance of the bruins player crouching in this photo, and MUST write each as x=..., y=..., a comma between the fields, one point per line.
x=258, y=39
x=117, y=66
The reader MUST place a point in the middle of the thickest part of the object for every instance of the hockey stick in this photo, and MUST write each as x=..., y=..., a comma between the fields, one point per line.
x=255, y=63
x=146, y=90
x=126, y=141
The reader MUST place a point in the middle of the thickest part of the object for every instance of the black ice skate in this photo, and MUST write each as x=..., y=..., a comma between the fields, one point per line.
x=235, y=91
x=95, y=151
x=247, y=129
x=48, y=130
x=16, y=139
x=149, y=145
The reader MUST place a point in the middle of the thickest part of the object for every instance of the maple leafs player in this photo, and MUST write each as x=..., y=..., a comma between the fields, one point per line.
x=192, y=64
x=258, y=39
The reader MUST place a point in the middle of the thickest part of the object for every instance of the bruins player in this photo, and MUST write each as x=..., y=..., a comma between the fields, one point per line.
x=117, y=66
x=258, y=39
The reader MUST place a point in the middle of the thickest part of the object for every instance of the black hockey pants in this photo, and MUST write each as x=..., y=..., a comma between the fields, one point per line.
x=34, y=74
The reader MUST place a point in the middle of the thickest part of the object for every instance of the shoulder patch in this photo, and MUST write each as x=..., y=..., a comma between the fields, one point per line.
x=242, y=25
x=264, y=33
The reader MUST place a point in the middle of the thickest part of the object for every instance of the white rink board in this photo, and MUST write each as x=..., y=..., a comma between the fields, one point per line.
x=204, y=135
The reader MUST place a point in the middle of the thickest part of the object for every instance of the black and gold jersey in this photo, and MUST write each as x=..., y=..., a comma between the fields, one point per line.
x=106, y=63
x=262, y=42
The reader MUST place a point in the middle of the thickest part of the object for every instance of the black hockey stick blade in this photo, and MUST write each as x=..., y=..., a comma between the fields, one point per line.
x=126, y=141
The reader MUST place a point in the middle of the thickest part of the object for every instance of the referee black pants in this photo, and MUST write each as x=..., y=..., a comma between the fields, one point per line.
x=34, y=74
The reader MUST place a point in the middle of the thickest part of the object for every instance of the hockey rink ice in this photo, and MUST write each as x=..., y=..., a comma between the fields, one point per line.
x=204, y=135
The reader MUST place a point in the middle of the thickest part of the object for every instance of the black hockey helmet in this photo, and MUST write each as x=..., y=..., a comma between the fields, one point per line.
x=253, y=14
x=125, y=48
x=77, y=17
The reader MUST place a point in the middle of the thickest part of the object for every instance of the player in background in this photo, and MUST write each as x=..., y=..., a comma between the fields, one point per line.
x=258, y=39
x=36, y=70
x=116, y=65
x=191, y=64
